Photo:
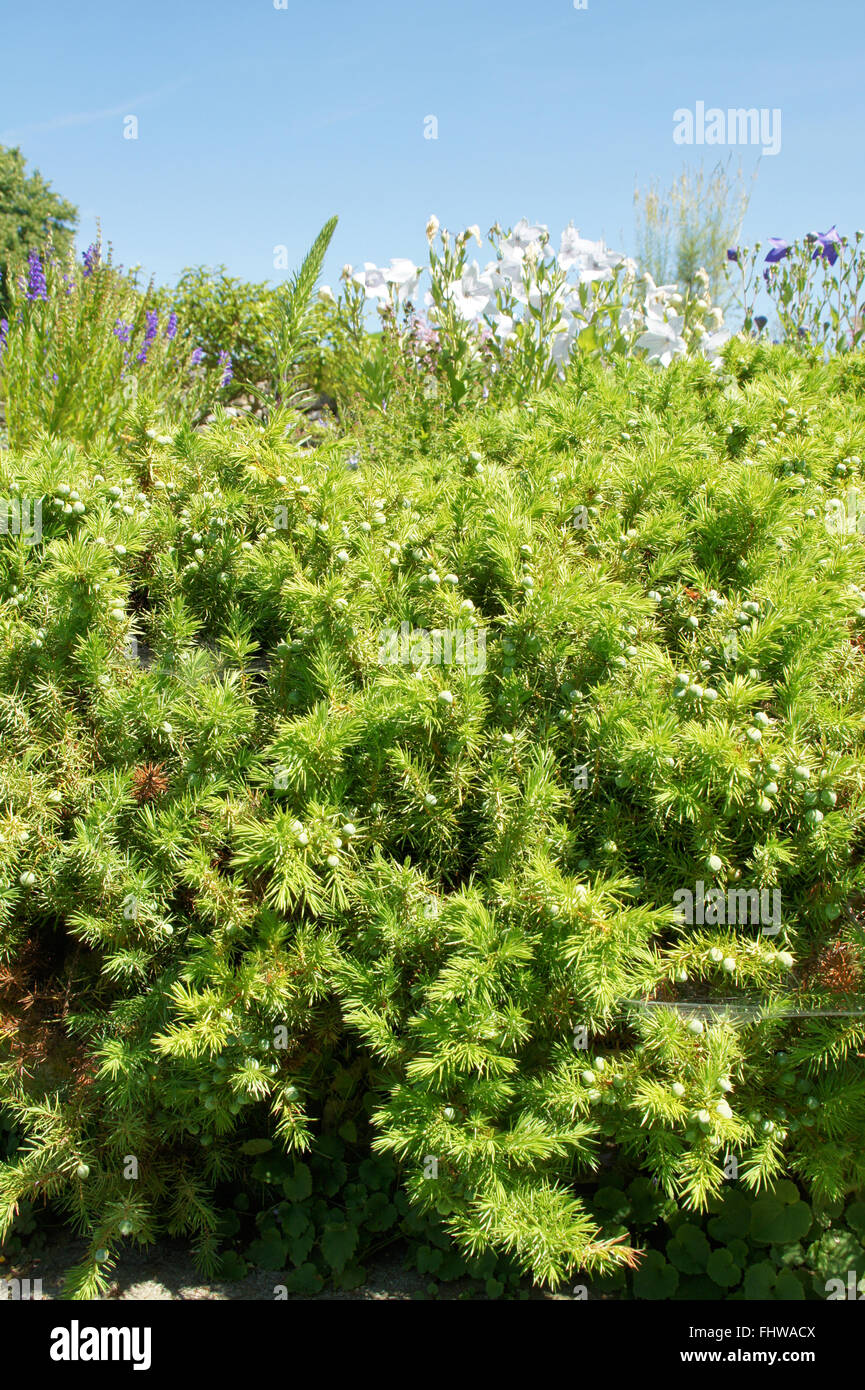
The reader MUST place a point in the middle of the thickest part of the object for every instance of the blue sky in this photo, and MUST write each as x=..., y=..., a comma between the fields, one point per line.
x=257, y=123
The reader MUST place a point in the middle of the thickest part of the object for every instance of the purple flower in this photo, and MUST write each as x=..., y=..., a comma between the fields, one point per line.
x=4, y=333
x=171, y=326
x=91, y=257
x=780, y=249
x=37, y=287
x=152, y=320
x=196, y=357
x=733, y=254
x=122, y=330
x=761, y=322
x=225, y=362
x=828, y=244
x=424, y=332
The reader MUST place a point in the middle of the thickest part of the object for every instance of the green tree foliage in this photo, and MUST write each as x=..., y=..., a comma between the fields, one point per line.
x=31, y=214
x=222, y=313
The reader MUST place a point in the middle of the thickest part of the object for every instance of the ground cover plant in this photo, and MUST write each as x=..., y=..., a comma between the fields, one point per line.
x=481, y=789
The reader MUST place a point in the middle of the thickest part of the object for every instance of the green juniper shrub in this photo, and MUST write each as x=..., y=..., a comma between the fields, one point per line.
x=263, y=838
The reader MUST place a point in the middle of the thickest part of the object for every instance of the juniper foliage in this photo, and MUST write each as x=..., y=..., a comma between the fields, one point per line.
x=439, y=897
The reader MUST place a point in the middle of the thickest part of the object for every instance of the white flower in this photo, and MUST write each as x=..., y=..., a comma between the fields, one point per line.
x=511, y=261
x=592, y=259
x=405, y=276
x=326, y=293
x=472, y=294
x=662, y=339
x=573, y=248
x=432, y=228
x=503, y=327
x=525, y=233
x=475, y=232
x=599, y=264
x=659, y=298
x=565, y=333
x=372, y=281
x=711, y=344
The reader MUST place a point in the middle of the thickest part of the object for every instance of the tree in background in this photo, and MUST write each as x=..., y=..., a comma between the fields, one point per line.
x=691, y=225
x=30, y=215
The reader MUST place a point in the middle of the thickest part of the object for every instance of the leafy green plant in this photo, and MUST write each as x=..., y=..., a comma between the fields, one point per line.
x=337, y=1209
x=82, y=347
x=767, y=1247
x=814, y=285
x=223, y=314
x=291, y=321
